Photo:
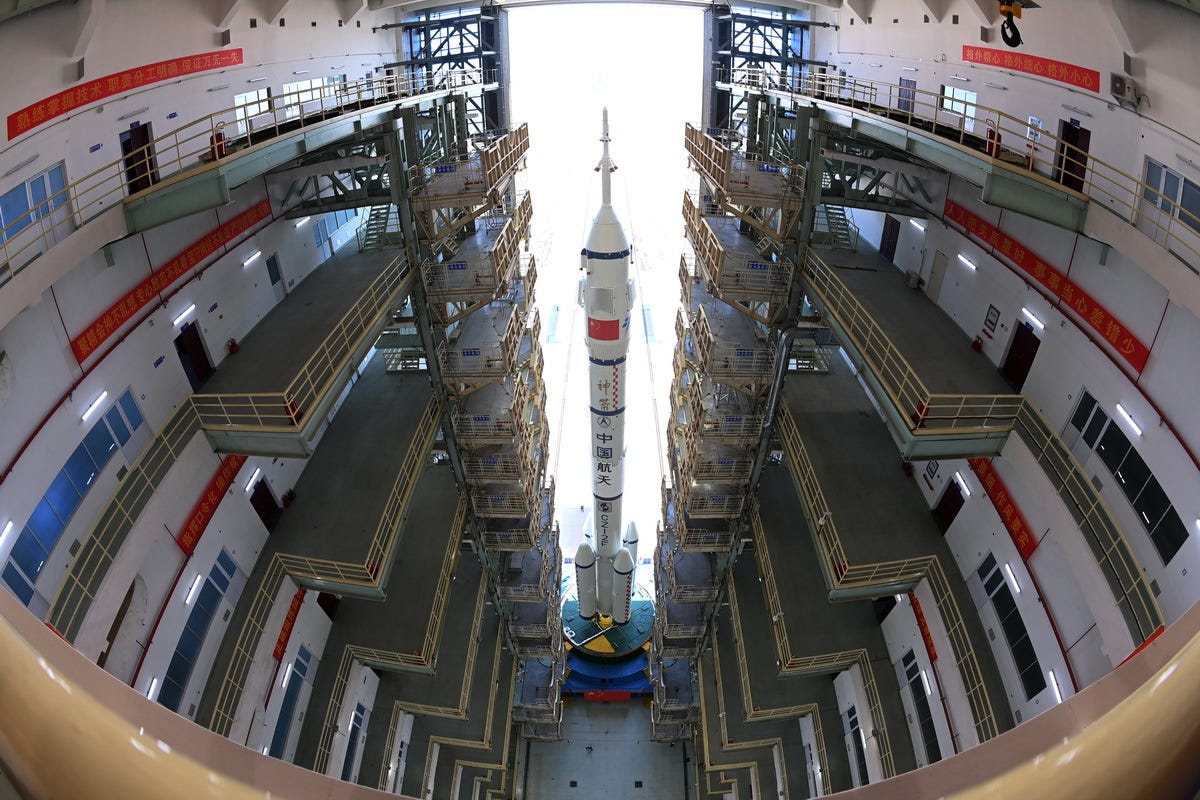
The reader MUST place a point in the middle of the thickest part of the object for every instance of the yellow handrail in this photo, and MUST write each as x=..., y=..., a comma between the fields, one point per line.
x=190, y=149
x=1121, y=192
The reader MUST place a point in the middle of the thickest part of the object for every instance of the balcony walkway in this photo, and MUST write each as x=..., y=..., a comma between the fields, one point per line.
x=930, y=340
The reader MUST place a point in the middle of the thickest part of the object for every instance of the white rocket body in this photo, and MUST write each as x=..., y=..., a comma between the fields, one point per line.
x=606, y=294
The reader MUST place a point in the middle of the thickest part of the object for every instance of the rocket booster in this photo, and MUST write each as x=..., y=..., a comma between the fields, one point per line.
x=606, y=294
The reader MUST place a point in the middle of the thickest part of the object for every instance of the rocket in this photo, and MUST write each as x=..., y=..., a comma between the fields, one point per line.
x=606, y=560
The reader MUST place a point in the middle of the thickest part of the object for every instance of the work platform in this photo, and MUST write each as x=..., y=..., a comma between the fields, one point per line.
x=537, y=699
x=347, y=547
x=484, y=265
x=761, y=751
x=730, y=266
x=675, y=704
x=922, y=124
x=272, y=396
x=450, y=193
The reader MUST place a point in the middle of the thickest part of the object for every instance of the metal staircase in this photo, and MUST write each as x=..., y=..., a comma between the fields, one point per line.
x=832, y=228
x=382, y=229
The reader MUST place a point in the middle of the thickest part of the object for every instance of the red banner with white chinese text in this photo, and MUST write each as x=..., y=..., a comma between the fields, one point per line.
x=206, y=506
x=1014, y=521
x=1061, y=71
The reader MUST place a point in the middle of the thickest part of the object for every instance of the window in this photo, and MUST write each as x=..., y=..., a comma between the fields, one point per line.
x=300, y=92
x=36, y=199
x=918, y=684
x=857, y=744
x=294, y=680
x=194, y=630
x=250, y=105
x=1174, y=194
x=1137, y=481
x=67, y=489
x=960, y=101
x=356, y=725
x=1019, y=644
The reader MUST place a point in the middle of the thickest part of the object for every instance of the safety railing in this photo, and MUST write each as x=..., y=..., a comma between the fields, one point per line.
x=233, y=682
x=739, y=176
x=285, y=410
x=906, y=390
x=1100, y=530
x=931, y=414
x=705, y=243
x=469, y=179
x=752, y=711
x=133, y=494
x=1164, y=218
x=807, y=356
x=886, y=575
x=488, y=502
x=196, y=145
x=721, y=468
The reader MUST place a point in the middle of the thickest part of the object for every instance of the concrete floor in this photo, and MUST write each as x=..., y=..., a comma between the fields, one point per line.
x=277, y=347
x=620, y=754
x=932, y=343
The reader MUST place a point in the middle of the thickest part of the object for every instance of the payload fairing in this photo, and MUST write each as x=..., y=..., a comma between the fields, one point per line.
x=604, y=563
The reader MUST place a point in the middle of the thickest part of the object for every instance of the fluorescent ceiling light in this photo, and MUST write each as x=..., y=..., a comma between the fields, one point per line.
x=962, y=484
x=301, y=222
x=1029, y=315
x=183, y=314
x=876, y=65
x=252, y=258
x=131, y=114
x=1012, y=578
x=925, y=683
x=909, y=69
x=256, y=80
x=253, y=478
x=1128, y=419
x=299, y=72
x=8, y=529
x=191, y=595
x=1054, y=686
x=287, y=673
x=959, y=78
x=917, y=225
x=968, y=262
x=153, y=686
x=95, y=404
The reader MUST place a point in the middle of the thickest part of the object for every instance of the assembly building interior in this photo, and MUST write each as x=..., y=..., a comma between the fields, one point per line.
x=912, y=440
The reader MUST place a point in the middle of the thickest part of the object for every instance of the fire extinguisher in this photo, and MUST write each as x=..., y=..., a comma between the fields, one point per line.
x=217, y=142
x=993, y=140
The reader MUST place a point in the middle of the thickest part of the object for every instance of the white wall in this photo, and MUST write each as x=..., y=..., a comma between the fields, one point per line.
x=311, y=632
x=901, y=634
x=361, y=686
x=850, y=690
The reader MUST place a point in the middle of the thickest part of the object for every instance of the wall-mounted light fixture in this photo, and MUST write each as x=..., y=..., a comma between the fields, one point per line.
x=253, y=478
x=1054, y=686
x=151, y=690
x=1180, y=156
x=1076, y=110
x=877, y=66
x=195, y=588
x=1029, y=316
x=256, y=80
x=36, y=156
x=1133, y=426
x=252, y=258
x=917, y=225
x=299, y=72
x=995, y=86
x=95, y=405
x=220, y=88
x=300, y=222
x=968, y=263
x=183, y=314
x=909, y=69
x=962, y=484
x=925, y=683
x=8, y=529
x=960, y=78
x=1012, y=578
x=133, y=114
x=338, y=66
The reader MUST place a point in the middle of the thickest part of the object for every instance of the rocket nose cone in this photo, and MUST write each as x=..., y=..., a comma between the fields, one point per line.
x=585, y=556
x=623, y=561
x=631, y=534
